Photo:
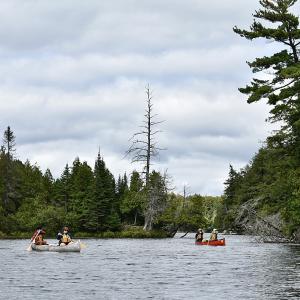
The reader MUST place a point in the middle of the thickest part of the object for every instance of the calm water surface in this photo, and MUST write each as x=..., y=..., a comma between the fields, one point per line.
x=152, y=269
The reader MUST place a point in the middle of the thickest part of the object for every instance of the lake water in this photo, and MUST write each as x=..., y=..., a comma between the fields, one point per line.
x=152, y=269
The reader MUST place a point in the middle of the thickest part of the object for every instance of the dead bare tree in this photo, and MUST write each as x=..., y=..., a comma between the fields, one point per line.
x=144, y=148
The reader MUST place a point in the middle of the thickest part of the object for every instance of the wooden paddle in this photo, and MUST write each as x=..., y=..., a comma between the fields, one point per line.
x=32, y=240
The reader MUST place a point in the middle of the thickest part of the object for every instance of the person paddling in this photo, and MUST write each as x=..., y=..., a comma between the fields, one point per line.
x=214, y=235
x=36, y=232
x=199, y=235
x=39, y=238
x=64, y=238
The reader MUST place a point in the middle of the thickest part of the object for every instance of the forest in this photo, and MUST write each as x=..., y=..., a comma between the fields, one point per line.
x=91, y=201
x=267, y=189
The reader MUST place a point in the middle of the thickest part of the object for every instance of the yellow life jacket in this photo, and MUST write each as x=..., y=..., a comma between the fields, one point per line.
x=213, y=236
x=66, y=238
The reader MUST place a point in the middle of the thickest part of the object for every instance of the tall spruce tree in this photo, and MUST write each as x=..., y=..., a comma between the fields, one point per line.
x=48, y=182
x=10, y=194
x=99, y=209
x=9, y=141
x=82, y=181
x=121, y=191
x=64, y=188
x=102, y=214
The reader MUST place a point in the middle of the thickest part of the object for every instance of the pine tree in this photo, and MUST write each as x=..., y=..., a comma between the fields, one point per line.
x=281, y=88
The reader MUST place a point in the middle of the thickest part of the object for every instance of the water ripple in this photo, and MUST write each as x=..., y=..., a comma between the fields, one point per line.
x=152, y=269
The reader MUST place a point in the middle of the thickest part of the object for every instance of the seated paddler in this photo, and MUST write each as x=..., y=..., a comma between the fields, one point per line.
x=39, y=238
x=214, y=235
x=64, y=238
x=199, y=235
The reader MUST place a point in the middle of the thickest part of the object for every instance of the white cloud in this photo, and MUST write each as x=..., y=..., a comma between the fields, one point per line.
x=72, y=78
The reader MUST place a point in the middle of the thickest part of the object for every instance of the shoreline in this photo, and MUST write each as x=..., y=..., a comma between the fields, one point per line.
x=125, y=234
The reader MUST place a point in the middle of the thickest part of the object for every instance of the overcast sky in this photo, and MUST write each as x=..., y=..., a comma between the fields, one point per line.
x=73, y=76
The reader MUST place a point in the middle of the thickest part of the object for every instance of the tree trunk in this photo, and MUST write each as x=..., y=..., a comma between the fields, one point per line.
x=135, y=217
x=184, y=235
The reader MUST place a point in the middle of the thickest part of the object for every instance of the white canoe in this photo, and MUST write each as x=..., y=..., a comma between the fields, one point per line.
x=72, y=247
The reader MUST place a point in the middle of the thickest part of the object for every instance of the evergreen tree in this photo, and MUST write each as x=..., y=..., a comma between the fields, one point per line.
x=99, y=207
x=282, y=88
x=10, y=193
x=231, y=186
x=102, y=214
x=31, y=178
x=82, y=183
x=272, y=176
x=121, y=192
x=63, y=189
x=9, y=142
x=48, y=182
x=133, y=201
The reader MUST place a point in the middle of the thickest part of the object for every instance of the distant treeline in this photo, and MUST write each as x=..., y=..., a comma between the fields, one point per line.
x=89, y=199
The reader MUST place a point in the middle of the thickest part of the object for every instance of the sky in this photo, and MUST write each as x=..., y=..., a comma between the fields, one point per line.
x=73, y=76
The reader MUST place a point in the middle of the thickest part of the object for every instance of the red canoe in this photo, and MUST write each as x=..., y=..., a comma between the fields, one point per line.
x=220, y=242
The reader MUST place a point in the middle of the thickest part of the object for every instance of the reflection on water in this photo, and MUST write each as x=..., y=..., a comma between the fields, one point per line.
x=152, y=269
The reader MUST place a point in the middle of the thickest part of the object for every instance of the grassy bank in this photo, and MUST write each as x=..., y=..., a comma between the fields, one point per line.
x=134, y=233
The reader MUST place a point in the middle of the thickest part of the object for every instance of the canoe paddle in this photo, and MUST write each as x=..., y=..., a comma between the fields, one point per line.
x=32, y=239
x=82, y=245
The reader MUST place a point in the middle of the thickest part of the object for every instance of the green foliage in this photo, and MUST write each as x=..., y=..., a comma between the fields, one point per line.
x=133, y=200
x=91, y=203
x=81, y=198
x=156, y=192
x=191, y=212
x=282, y=89
x=273, y=174
x=211, y=207
x=272, y=177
